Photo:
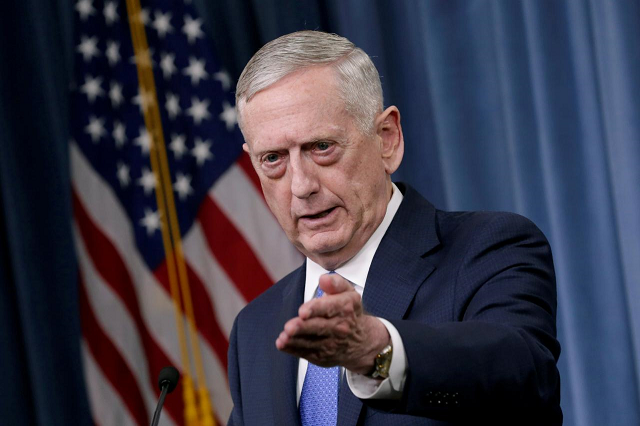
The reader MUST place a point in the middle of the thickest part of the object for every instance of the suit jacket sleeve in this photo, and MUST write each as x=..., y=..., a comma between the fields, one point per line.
x=497, y=357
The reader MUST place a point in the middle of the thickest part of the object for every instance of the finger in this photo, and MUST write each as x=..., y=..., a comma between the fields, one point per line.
x=291, y=327
x=305, y=348
x=311, y=355
x=334, y=284
x=282, y=341
x=320, y=328
x=332, y=305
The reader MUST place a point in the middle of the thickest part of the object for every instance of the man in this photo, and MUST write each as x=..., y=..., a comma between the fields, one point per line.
x=425, y=317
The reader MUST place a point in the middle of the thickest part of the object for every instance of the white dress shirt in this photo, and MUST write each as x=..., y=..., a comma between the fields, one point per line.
x=356, y=271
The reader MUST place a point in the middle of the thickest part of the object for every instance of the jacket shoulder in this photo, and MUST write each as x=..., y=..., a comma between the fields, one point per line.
x=473, y=225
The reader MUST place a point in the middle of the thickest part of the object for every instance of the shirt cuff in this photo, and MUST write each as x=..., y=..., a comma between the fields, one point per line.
x=365, y=387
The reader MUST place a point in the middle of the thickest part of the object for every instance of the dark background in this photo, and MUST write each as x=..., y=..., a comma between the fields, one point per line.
x=526, y=106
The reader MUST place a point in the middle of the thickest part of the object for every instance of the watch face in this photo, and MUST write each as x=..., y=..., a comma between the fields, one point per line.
x=383, y=362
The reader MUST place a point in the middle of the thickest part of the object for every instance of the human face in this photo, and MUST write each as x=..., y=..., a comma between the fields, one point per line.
x=327, y=183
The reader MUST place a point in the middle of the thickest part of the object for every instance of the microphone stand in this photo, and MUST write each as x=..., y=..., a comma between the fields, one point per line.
x=163, y=394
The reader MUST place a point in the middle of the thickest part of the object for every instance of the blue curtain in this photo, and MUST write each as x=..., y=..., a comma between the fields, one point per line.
x=526, y=106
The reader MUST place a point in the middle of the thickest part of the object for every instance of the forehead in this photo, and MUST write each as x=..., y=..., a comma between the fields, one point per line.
x=303, y=105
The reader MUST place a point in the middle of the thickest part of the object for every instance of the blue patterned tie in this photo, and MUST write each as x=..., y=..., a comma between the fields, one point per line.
x=319, y=397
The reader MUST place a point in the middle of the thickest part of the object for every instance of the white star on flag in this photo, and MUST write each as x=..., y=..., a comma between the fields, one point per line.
x=196, y=71
x=199, y=110
x=172, y=105
x=228, y=115
x=167, y=64
x=123, y=174
x=151, y=221
x=143, y=141
x=119, y=134
x=91, y=88
x=88, y=47
x=143, y=16
x=147, y=181
x=115, y=94
x=95, y=128
x=192, y=29
x=143, y=99
x=162, y=23
x=201, y=151
x=182, y=185
x=224, y=78
x=85, y=9
x=113, y=52
x=178, y=146
x=110, y=12
x=143, y=58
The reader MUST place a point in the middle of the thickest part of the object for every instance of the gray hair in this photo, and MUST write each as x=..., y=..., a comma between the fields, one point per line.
x=358, y=79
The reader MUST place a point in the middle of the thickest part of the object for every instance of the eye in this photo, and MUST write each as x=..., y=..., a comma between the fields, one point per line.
x=323, y=146
x=271, y=158
x=273, y=164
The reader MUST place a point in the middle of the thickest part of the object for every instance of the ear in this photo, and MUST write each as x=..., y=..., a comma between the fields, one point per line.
x=245, y=148
x=389, y=131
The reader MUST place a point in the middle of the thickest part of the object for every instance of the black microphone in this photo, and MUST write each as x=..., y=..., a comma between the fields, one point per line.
x=167, y=381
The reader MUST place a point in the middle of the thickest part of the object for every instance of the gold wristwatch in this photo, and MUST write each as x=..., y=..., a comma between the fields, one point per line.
x=383, y=362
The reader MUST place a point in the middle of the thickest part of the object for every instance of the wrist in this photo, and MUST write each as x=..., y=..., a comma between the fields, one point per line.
x=378, y=340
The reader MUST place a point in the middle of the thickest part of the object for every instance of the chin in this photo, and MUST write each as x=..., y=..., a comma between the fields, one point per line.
x=323, y=247
x=329, y=255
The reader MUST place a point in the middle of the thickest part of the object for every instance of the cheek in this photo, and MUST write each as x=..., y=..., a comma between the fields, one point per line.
x=278, y=201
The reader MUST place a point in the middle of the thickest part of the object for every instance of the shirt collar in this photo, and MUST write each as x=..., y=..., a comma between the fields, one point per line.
x=357, y=268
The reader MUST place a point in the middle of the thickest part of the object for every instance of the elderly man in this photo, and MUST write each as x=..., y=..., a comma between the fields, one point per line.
x=401, y=314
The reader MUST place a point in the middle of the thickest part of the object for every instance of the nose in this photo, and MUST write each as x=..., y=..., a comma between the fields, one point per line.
x=304, y=182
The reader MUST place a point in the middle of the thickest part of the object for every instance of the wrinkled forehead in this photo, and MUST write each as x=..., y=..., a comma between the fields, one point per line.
x=303, y=102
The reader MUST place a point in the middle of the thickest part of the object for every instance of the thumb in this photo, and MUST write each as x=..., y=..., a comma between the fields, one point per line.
x=334, y=284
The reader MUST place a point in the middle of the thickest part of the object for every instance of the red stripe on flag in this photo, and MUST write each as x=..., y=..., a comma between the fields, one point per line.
x=108, y=357
x=232, y=251
x=110, y=266
x=203, y=310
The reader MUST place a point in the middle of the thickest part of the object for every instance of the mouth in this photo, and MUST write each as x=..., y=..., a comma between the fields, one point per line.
x=319, y=215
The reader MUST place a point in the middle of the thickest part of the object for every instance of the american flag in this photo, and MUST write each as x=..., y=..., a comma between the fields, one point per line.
x=129, y=211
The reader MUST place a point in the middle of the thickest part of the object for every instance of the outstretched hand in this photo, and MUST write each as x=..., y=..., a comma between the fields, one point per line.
x=334, y=330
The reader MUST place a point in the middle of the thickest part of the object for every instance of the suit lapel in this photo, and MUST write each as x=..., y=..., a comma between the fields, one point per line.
x=390, y=290
x=400, y=265
x=285, y=366
x=398, y=270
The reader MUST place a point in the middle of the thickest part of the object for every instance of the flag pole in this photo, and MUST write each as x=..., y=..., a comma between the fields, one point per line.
x=179, y=283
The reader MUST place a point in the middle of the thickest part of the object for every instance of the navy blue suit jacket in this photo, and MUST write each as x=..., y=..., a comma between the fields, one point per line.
x=473, y=297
